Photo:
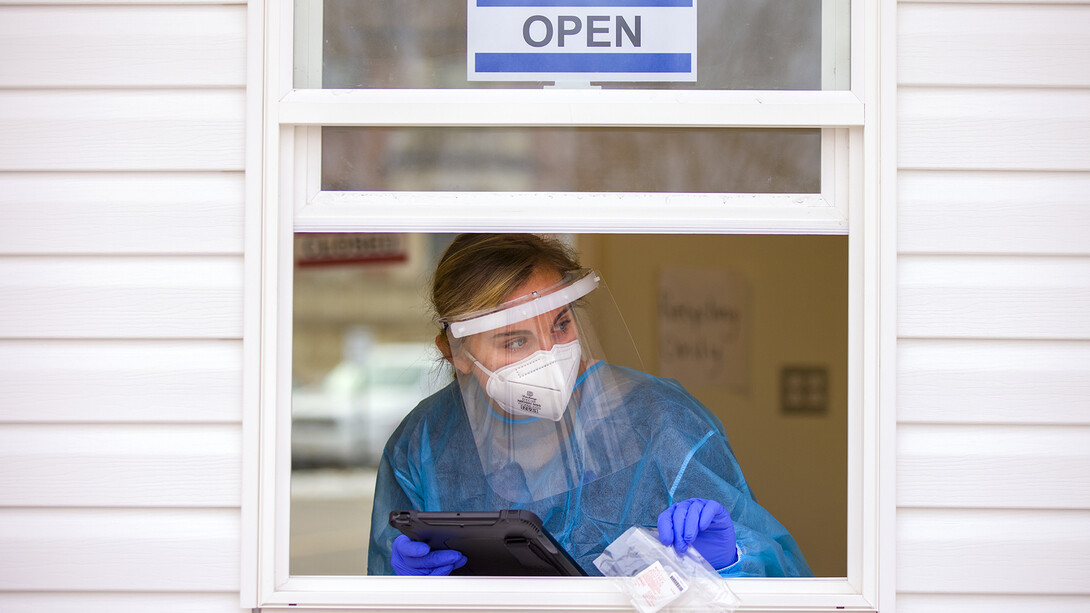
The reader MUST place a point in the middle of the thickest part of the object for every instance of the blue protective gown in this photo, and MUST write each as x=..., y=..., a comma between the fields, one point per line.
x=431, y=463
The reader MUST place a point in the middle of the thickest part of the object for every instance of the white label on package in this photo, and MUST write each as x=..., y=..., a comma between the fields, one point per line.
x=655, y=588
x=581, y=40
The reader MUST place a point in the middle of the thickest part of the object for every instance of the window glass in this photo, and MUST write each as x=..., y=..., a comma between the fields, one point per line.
x=363, y=356
x=572, y=159
x=421, y=44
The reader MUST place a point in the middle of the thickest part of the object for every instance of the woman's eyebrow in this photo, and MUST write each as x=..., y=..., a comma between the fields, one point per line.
x=565, y=311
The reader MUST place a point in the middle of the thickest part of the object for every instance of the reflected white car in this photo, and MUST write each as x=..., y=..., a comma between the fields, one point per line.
x=347, y=419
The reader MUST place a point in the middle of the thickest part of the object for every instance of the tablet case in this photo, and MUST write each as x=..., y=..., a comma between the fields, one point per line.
x=511, y=542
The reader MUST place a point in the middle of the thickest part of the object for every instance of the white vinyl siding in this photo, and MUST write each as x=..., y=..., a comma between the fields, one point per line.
x=51, y=217
x=993, y=375
x=134, y=381
x=972, y=211
x=137, y=46
x=950, y=381
x=121, y=276
x=121, y=291
x=123, y=130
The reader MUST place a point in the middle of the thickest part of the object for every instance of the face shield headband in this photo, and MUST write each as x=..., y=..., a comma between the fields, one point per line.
x=526, y=307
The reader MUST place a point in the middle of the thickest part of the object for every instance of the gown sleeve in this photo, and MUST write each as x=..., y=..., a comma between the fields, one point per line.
x=696, y=461
x=389, y=496
x=407, y=477
x=766, y=548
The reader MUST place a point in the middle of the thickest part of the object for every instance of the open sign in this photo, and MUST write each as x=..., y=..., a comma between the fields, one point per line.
x=581, y=40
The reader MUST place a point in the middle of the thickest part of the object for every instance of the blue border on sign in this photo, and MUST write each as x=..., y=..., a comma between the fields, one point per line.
x=584, y=62
x=588, y=3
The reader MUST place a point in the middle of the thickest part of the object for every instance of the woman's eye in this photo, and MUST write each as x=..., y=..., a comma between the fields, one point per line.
x=515, y=343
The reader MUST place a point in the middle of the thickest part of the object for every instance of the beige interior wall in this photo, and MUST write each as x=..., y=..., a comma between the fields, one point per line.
x=796, y=464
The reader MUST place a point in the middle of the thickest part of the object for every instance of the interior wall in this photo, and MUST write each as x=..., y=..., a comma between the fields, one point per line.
x=796, y=464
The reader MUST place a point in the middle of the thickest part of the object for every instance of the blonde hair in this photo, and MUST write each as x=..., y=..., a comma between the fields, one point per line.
x=479, y=271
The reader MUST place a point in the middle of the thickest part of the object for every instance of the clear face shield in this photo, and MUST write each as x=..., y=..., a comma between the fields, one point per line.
x=545, y=406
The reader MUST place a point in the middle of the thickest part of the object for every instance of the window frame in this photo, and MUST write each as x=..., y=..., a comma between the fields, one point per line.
x=283, y=198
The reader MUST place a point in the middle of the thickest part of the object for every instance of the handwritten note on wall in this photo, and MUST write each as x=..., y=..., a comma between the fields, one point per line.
x=704, y=328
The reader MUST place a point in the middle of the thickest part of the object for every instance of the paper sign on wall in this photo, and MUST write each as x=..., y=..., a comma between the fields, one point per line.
x=581, y=40
x=704, y=328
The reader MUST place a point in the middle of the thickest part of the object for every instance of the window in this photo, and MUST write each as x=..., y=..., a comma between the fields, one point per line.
x=377, y=141
x=363, y=356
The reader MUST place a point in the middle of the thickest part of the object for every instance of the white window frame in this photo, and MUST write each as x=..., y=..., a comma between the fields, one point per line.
x=284, y=197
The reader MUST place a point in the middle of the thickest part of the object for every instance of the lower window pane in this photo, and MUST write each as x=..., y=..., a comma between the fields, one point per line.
x=693, y=160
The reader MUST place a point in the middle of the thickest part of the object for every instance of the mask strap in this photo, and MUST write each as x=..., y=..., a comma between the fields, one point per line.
x=479, y=365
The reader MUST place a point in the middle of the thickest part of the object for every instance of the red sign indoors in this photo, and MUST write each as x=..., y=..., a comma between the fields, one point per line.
x=342, y=248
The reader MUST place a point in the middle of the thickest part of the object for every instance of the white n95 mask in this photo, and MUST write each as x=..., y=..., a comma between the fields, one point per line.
x=539, y=385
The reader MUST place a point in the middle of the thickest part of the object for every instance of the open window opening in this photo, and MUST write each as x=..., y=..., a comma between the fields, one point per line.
x=755, y=326
x=752, y=173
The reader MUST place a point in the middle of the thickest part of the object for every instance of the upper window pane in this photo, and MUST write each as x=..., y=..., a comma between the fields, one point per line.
x=422, y=44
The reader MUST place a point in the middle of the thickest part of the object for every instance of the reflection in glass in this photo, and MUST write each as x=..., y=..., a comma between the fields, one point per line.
x=572, y=159
x=363, y=356
x=421, y=44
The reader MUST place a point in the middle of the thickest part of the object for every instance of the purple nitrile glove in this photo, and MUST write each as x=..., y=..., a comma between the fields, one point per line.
x=411, y=557
x=704, y=524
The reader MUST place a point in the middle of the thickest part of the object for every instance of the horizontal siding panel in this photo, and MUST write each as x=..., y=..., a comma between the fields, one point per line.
x=1013, y=45
x=993, y=467
x=119, y=550
x=120, y=465
x=989, y=603
x=122, y=130
x=993, y=297
x=120, y=381
x=988, y=129
x=985, y=381
x=112, y=213
x=113, y=602
x=997, y=552
x=113, y=297
x=122, y=46
x=993, y=212
x=131, y=602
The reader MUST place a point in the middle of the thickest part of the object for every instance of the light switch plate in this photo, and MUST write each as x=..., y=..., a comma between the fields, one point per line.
x=804, y=390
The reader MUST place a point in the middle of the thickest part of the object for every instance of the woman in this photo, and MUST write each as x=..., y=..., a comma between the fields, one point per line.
x=537, y=419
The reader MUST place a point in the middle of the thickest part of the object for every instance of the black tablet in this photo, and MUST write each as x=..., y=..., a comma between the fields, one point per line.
x=496, y=543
